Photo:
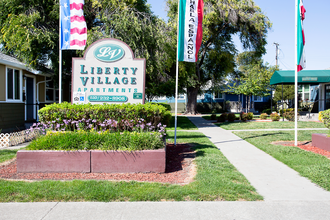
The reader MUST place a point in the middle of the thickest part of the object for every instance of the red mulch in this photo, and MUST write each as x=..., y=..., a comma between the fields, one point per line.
x=305, y=145
x=179, y=170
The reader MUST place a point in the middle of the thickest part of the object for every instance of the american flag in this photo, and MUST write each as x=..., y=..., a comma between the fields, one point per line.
x=73, y=25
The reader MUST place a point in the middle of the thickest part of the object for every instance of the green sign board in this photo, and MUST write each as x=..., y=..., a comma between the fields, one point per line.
x=137, y=96
x=107, y=98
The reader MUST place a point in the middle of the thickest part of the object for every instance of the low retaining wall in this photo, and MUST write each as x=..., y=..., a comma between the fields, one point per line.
x=321, y=141
x=53, y=161
x=91, y=161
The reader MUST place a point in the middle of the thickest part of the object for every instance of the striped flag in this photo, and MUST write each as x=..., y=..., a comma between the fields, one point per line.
x=73, y=25
x=301, y=62
x=190, y=29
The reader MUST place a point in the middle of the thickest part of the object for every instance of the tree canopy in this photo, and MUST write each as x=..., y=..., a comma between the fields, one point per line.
x=222, y=20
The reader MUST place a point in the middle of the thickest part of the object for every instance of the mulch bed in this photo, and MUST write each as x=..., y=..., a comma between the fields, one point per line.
x=305, y=145
x=180, y=169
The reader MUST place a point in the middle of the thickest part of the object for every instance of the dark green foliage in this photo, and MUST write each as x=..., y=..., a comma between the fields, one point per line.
x=222, y=117
x=150, y=112
x=213, y=117
x=83, y=140
x=231, y=117
x=275, y=117
x=209, y=107
x=267, y=111
x=167, y=106
x=263, y=115
x=326, y=118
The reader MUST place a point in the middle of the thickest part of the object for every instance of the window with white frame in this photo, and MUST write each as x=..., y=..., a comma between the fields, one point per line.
x=13, y=84
x=257, y=98
x=51, y=91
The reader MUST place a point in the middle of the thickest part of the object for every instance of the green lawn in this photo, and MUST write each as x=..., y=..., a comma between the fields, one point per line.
x=268, y=125
x=183, y=123
x=7, y=155
x=216, y=179
x=310, y=165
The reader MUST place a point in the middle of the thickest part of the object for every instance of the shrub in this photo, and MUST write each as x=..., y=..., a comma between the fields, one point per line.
x=167, y=106
x=231, y=117
x=213, y=117
x=92, y=125
x=121, y=113
x=290, y=115
x=249, y=115
x=222, y=117
x=267, y=111
x=208, y=107
x=275, y=117
x=326, y=118
x=263, y=115
x=244, y=116
x=321, y=116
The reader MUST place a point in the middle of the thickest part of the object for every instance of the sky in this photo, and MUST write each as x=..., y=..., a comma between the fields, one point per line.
x=282, y=14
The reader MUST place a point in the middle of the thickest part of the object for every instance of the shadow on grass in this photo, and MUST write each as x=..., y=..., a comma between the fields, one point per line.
x=264, y=135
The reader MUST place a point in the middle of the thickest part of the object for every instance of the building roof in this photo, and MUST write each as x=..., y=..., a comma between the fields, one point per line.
x=11, y=61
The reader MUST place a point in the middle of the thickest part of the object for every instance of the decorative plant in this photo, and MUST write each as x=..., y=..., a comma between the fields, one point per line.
x=244, y=116
x=326, y=118
x=290, y=115
x=263, y=115
x=231, y=117
x=250, y=116
x=275, y=117
x=321, y=116
x=222, y=117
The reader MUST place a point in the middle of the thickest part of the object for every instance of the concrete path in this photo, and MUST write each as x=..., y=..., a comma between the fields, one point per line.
x=272, y=179
x=166, y=210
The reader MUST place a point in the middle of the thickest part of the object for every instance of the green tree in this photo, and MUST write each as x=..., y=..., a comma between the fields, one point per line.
x=30, y=31
x=254, y=80
x=222, y=20
x=288, y=94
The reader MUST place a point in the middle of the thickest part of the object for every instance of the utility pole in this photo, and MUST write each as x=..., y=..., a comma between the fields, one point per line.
x=276, y=58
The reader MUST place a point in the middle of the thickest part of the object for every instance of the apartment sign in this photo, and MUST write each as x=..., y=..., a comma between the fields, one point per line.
x=109, y=73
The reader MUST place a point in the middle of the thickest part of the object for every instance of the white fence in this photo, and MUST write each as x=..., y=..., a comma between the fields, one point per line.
x=15, y=138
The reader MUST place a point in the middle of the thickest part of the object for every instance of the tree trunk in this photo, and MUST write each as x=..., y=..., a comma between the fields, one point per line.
x=191, y=107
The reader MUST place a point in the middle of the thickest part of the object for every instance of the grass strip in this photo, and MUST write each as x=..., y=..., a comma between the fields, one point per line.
x=7, y=155
x=308, y=164
x=216, y=179
x=268, y=125
x=183, y=123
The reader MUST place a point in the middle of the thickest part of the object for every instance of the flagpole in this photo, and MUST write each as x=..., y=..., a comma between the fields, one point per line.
x=60, y=61
x=177, y=76
x=296, y=78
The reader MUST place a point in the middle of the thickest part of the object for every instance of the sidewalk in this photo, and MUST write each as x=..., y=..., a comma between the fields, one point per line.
x=287, y=195
x=272, y=179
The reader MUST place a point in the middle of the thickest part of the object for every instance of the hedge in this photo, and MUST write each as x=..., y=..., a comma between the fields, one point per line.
x=149, y=112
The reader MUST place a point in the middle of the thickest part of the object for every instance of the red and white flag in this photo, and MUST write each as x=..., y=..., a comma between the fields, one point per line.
x=301, y=62
x=73, y=25
x=190, y=29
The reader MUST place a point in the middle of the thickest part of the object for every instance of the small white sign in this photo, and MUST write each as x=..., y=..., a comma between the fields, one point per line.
x=79, y=97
